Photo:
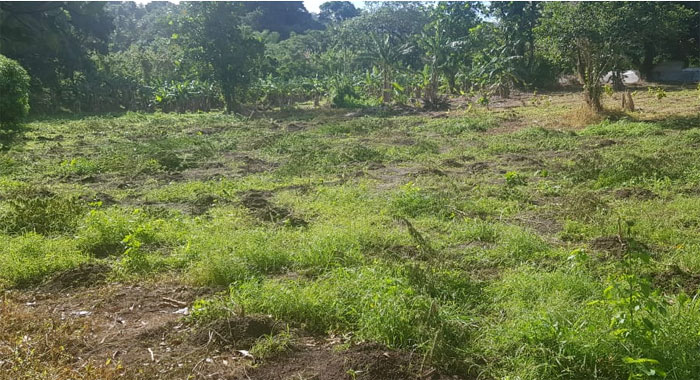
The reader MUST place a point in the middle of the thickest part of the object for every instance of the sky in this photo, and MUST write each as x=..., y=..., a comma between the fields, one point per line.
x=312, y=5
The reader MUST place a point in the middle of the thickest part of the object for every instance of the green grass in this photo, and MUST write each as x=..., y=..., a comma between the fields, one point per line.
x=473, y=239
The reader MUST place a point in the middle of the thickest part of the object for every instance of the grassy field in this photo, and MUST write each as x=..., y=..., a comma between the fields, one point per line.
x=525, y=241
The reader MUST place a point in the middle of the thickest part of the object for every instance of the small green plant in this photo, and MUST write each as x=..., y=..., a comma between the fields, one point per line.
x=36, y=209
x=134, y=259
x=657, y=92
x=637, y=311
x=608, y=89
x=515, y=179
x=270, y=346
x=79, y=166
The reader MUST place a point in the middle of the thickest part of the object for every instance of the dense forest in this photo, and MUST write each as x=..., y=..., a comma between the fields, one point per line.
x=120, y=56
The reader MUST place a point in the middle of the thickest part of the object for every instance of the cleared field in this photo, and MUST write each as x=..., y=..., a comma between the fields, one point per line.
x=521, y=242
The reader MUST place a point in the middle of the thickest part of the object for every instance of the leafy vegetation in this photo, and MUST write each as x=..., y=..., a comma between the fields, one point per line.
x=534, y=253
x=383, y=183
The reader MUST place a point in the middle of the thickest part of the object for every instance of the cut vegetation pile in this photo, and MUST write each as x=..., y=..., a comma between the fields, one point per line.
x=501, y=244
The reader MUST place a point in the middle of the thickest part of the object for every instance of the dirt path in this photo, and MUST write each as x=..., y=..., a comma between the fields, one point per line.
x=142, y=332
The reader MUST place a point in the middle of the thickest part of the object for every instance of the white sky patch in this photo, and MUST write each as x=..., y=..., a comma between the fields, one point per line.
x=313, y=6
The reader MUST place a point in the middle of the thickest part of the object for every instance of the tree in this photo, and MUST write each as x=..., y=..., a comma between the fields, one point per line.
x=446, y=39
x=216, y=36
x=386, y=53
x=654, y=30
x=337, y=11
x=14, y=87
x=54, y=41
x=585, y=36
x=283, y=17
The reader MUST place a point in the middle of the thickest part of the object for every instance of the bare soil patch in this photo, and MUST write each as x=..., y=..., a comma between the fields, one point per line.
x=258, y=203
x=612, y=245
x=83, y=276
x=675, y=279
x=361, y=362
x=635, y=193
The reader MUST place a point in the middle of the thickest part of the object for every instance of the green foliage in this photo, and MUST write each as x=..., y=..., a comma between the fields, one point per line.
x=622, y=128
x=28, y=259
x=35, y=209
x=14, y=86
x=375, y=303
x=515, y=179
x=412, y=201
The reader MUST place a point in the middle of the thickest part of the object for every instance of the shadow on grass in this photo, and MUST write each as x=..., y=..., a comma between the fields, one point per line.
x=10, y=135
x=679, y=122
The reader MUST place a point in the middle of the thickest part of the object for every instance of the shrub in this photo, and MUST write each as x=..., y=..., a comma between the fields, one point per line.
x=35, y=209
x=14, y=87
x=28, y=259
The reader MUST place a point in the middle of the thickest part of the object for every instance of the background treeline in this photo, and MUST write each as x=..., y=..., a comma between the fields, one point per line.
x=118, y=56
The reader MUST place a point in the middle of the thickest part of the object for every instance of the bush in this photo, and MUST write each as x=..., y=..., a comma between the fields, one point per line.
x=14, y=87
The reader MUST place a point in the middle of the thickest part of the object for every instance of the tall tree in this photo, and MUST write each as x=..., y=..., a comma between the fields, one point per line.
x=584, y=36
x=53, y=40
x=283, y=17
x=446, y=39
x=337, y=11
x=217, y=36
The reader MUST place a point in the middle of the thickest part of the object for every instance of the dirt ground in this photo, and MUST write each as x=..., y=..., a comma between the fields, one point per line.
x=130, y=331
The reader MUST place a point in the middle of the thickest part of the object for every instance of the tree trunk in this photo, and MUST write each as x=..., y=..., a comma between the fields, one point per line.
x=591, y=94
x=627, y=102
x=230, y=102
x=386, y=90
x=451, y=82
x=617, y=83
x=647, y=65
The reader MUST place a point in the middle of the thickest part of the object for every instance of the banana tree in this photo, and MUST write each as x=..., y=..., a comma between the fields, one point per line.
x=386, y=54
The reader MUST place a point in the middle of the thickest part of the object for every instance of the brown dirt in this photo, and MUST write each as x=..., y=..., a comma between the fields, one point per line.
x=543, y=223
x=257, y=202
x=252, y=165
x=83, y=276
x=140, y=332
x=635, y=193
x=612, y=245
x=675, y=279
x=478, y=167
x=523, y=162
x=453, y=163
x=602, y=144
x=360, y=362
x=236, y=332
x=136, y=331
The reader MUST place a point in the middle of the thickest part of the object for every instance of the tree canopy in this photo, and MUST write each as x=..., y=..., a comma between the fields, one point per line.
x=92, y=57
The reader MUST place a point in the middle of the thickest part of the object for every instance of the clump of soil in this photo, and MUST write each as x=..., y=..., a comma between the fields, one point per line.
x=675, y=278
x=252, y=165
x=613, y=245
x=450, y=162
x=636, y=193
x=603, y=143
x=257, y=202
x=430, y=171
x=204, y=202
x=523, y=160
x=618, y=247
x=478, y=167
x=83, y=276
x=292, y=127
x=362, y=362
x=237, y=332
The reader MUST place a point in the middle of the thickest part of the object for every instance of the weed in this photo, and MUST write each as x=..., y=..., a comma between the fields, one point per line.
x=36, y=209
x=270, y=346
